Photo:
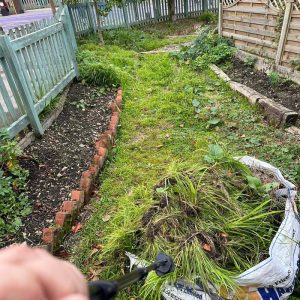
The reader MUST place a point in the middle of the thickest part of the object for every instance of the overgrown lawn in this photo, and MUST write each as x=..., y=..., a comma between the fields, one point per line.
x=161, y=126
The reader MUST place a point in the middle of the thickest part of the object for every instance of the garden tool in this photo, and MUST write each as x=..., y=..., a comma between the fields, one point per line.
x=107, y=290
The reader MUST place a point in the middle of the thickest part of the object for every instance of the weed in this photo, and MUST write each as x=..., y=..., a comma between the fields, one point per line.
x=250, y=61
x=14, y=203
x=208, y=17
x=81, y=104
x=276, y=79
x=136, y=39
x=295, y=64
x=208, y=48
x=97, y=73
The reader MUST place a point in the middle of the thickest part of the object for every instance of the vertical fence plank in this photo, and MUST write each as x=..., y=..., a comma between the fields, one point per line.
x=68, y=34
x=284, y=30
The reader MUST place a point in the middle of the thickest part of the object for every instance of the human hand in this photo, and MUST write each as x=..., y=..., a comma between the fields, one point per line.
x=33, y=274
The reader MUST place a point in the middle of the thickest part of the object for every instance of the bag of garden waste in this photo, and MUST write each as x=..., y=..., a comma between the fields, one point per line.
x=203, y=272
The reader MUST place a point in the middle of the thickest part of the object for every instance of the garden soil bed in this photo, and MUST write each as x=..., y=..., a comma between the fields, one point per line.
x=56, y=161
x=286, y=93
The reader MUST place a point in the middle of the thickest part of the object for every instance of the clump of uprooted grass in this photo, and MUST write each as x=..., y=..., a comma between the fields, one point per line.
x=215, y=221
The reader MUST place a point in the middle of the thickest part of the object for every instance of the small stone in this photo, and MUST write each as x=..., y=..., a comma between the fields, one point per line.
x=59, y=175
x=81, y=145
x=181, y=125
x=167, y=136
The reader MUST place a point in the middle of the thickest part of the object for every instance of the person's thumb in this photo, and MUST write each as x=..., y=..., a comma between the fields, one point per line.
x=75, y=297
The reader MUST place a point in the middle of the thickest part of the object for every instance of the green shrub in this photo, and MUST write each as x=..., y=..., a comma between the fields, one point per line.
x=208, y=17
x=206, y=49
x=14, y=202
x=218, y=54
x=98, y=74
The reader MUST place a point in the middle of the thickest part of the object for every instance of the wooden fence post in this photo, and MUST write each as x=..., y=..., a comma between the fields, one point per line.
x=186, y=8
x=20, y=82
x=66, y=19
x=204, y=5
x=284, y=30
x=69, y=34
x=125, y=13
x=220, y=24
x=91, y=16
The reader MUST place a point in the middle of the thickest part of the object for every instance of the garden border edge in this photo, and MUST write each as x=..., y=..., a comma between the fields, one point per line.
x=70, y=209
x=276, y=114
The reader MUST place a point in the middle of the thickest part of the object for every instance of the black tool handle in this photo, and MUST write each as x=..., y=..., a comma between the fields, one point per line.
x=107, y=290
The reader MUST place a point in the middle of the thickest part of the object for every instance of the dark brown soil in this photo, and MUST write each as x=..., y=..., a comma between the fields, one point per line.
x=56, y=161
x=285, y=92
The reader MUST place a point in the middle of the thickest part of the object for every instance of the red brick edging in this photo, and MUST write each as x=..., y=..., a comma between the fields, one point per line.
x=69, y=211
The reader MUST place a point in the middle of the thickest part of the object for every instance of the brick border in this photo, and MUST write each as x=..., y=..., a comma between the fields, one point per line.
x=70, y=209
x=276, y=114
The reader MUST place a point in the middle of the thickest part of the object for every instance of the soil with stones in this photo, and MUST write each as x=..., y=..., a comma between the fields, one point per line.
x=56, y=162
x=285, y=92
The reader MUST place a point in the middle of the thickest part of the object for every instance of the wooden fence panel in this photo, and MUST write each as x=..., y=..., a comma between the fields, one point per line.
x=267, y=28
x=38, y=61
x=291, y=51
x=252, y=25
x=135, y=12
x=34, y=4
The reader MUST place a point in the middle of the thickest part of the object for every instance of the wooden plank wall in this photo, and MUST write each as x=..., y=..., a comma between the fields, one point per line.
x=265, y=28
x=252, y=25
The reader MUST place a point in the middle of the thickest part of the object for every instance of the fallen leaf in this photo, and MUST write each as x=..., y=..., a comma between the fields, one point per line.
x=99, y=246
x=106, y=218
x=167, y=136
x=206, y=247
x=181, y=125
x=243, y=136
x=94, y=251
x=76, y=228
x=93, y=276
x=159, y=146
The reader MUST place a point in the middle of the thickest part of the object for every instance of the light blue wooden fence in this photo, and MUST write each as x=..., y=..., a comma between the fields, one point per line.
x=34, y=4
x=37, y=61
x=136, y=12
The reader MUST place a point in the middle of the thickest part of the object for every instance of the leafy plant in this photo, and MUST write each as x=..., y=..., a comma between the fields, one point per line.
x=197, y=107
x=250, y=60
x=14, y=203
x=276, y=79
x=217, y=55
x=208, y=17
x=208, y=48
x=295, y=64
x=81, y=104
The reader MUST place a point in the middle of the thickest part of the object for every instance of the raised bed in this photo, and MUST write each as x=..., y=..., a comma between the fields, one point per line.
x=63, y=164
x=279, y=102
